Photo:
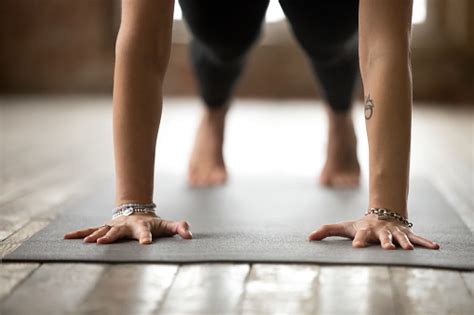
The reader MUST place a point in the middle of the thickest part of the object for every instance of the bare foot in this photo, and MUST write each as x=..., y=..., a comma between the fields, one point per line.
x=206, y=166
x=342, y=168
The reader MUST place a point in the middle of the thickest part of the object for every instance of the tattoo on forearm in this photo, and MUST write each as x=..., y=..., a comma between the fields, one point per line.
x=369, y=107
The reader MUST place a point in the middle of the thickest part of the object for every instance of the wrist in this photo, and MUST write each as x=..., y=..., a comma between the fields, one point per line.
x=388, y=198
x=132, y=197
x=388, y=214
x=133, y=190
x=398, y=206
x=119, y=202
x=389, y=192
x=128, y=209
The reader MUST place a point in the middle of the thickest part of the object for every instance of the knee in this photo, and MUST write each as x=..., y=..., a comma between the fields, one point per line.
x=228, y=54
x=333, y=55
x=223, y=49
x=220, y=52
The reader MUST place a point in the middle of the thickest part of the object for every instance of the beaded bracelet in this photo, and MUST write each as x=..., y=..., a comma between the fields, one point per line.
x=384, y=214
x=131, y=208
x=134, y=204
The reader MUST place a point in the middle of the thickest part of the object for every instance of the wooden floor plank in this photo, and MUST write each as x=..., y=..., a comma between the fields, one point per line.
x=211, y=289
x=292, y=289
x=355, y=290
x=13, y=274
x=45, y=203
x=15, y=240
x=430, y=291
x=53, y=289
x=468, y=278
x=129, y=289
x=32, y=126
x=40, y=180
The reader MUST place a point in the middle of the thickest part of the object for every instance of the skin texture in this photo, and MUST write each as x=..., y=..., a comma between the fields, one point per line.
x=207, y=166
x=142, y=53
x=341, y=169
x=142, y=227
x=384, y=50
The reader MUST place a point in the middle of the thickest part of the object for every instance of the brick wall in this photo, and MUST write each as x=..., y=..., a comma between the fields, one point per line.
x=66, y=46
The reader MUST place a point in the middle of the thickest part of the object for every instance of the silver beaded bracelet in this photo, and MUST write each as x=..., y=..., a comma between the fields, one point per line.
x=134, y=204
x=131, y=208
x=383, y=214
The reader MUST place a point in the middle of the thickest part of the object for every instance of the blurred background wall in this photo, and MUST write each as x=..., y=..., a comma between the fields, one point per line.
x=66, y=46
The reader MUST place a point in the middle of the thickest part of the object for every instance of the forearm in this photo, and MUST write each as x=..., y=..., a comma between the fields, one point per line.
x=142, y=52
x=384, y=52
x=136, y=117
x=388, y=82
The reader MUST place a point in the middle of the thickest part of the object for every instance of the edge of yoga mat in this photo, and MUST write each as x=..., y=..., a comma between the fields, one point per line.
x=34, y=249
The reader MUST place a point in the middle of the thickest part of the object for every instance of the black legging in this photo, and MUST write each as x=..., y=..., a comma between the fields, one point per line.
x=224, y=31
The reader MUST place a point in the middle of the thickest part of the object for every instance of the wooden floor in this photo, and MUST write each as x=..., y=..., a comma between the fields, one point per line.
x=54, y=150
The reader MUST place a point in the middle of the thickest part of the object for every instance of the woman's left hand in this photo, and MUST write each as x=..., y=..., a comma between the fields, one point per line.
x=370, y=229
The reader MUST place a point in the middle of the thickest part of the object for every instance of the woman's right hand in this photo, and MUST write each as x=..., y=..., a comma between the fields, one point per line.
x=142, y=227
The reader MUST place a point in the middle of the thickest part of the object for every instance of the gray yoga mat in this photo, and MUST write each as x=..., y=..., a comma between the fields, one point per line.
x=256, y=220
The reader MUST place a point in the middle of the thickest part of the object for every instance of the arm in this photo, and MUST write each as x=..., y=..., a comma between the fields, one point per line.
x=384, y=51
x=142, y=53
x=384, y=55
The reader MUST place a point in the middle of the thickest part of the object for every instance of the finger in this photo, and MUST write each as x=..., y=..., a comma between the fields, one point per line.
x=112, y=235
x=360, y=238
x=402, y=239
x=418, y=240
x=385, y=237
x=170, y=228
x=326, y=230
x=80, y=233
x=94, y=236
x=183, y=230
x=144, y=236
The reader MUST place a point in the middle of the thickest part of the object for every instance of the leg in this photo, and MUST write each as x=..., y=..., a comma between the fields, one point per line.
x=327, y=31
x=221, y=40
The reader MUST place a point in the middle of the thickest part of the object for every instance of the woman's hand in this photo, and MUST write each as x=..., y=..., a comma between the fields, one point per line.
x=142, y=227
x=370, y=229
